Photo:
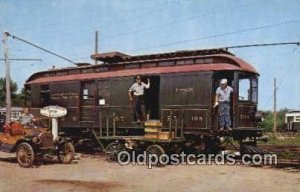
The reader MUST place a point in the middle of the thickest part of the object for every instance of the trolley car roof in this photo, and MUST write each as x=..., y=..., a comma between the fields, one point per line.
x=121, y=65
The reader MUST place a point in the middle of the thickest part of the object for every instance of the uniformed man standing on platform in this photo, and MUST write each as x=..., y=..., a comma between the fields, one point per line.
x=222, y=100
x=138, y=90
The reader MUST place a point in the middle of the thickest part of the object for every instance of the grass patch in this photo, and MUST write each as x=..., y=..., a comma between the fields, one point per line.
x=281, y=140
x=288, y=155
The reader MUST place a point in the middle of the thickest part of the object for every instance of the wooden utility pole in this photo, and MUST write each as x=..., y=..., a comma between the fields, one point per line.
x=7, y=77
x=275, y=112
x=96, y=45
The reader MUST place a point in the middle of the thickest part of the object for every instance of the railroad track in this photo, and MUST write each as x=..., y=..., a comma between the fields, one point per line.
x=288, y=156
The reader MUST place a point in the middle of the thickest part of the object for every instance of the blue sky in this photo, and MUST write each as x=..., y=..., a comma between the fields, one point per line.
x=142, y=26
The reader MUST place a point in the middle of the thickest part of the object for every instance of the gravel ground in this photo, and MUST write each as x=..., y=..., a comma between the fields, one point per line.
x=96, y=174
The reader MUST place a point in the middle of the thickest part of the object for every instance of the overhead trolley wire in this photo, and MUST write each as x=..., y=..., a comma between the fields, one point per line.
x=21, y=59
x=46, y=50
x=221, y=34
x=192, y=17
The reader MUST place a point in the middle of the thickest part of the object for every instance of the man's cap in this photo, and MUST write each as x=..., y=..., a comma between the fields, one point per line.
x=223, y=81
x=138, y=77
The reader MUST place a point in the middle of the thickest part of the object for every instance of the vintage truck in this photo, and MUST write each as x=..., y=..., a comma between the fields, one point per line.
x=33, y=143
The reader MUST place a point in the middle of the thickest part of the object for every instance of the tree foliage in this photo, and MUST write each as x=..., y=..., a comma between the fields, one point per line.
x=268, y=120
x=18, y=99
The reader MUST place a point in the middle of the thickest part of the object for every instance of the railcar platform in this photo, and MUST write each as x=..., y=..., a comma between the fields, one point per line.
x=141, y=138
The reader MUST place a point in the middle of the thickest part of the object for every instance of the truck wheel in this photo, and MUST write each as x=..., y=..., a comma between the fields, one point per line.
x=25, y=155
x=66, y=153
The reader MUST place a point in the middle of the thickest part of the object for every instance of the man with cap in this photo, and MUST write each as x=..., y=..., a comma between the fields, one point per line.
x=26, y=118
x=222, y=99
x=138, y=90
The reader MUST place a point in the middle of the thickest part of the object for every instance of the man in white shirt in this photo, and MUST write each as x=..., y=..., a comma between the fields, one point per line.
x=26, y=118
x=138, y=90
x=222, y=99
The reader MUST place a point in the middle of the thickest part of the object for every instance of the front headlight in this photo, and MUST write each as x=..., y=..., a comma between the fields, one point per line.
x=36, y=140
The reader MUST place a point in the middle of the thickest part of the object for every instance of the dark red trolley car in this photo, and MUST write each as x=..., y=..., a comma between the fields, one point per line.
x=181, y=98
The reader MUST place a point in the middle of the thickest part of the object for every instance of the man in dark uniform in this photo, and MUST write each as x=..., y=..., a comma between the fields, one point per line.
x=138, y=90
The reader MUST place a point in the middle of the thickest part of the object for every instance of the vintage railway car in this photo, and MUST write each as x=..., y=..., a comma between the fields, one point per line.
x=181, y=95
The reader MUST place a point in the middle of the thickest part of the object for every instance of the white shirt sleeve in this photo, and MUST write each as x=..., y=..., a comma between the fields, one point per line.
x=147, y=86
x=218, y=91
x=131, y=89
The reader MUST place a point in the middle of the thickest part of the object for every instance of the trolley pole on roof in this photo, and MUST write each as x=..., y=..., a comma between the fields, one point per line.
x=275, y=112
x=7, y=77
x=96, y=46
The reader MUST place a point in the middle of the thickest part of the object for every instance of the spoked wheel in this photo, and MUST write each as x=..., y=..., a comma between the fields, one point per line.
x=154, y=153
x=113, y=149
x=226, y=142
x=66, y=153
x=25, y=155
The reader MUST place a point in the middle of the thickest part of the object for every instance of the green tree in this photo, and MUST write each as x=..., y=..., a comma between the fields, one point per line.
x=268, y=120
x=18, y=99
x=13, y=87
x=281, y=119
